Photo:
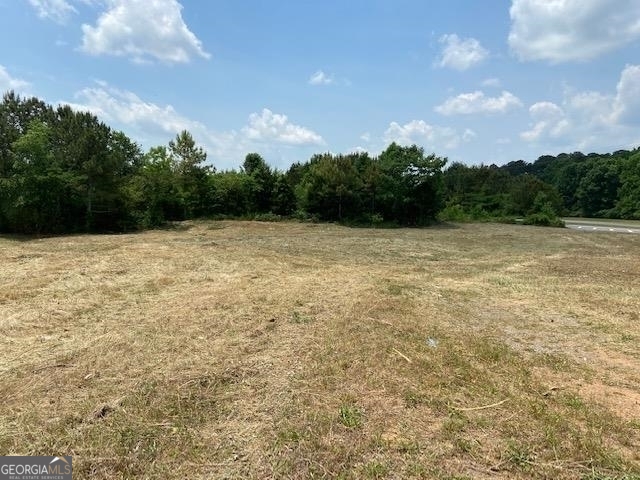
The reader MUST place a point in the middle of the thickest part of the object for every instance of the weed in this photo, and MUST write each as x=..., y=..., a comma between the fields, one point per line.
x=574, y=402
x=520, y=455
x=413, y=399
x=289, y=436
x=375, y=470
x=455, y=424
x=298, y=318
x=350, y=415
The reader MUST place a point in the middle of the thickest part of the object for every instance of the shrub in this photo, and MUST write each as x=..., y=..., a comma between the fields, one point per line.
x=267, y=217
x=454, y=213
x=543, y=220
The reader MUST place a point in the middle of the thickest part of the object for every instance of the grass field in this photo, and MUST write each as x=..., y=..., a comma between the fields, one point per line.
x=257, y=350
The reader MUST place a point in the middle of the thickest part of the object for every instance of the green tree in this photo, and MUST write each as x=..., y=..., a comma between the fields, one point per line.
x=372, y=178
x=100, y=162
x=530, y=195
x=330, y=188
x=36, y=189
x=262, y=183
x=188, y=163
x=16, y=115
x=155, y=190
x=628, y=204
x=412, y=187
x=283, y=199
x=597, y=192
x=231, y=192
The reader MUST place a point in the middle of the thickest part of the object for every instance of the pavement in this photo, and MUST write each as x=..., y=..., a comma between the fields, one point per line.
x=609, y=226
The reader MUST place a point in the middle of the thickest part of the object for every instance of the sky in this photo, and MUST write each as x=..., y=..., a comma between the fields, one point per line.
x=477, y=82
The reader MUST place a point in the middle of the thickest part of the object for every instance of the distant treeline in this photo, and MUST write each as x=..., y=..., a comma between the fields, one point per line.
x=575, y=184
x=66, y=171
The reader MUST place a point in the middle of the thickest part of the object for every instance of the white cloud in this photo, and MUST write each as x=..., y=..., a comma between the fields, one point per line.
x=468, y=135
x=412, y=132
x=124, y=107
x=272, y=127
x=571, y=30
x=365, y=137
x=358, y=149
x=595, y=107
x=590, y=119
x=320, y=78
x=492, y=82
x=143, y=30
x=626, y=106
x=461, y=54
x=421, y=133
x=545, y=110
x=154, y=124
x=7, y=82
x=549, y=120
x=56, y=10
x=477, y=102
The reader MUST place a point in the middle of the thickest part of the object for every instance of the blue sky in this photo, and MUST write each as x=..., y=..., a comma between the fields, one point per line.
x=477, y=82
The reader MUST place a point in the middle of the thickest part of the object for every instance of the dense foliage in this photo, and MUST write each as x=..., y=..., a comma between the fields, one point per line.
x=66, y=171
x=574, y=184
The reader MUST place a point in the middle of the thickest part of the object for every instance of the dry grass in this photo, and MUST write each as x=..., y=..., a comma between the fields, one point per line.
x=253, y=350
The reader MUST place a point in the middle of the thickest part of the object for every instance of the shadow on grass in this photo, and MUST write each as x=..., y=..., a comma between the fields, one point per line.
x=170, y=226
x=395, y=226
x=31, y=237
x=185, y=226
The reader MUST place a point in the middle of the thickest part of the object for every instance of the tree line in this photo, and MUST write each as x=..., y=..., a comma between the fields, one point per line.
x=66, y=171
x=593, y=185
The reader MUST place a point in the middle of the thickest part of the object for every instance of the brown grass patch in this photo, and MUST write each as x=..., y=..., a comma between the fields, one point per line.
x=256, y=350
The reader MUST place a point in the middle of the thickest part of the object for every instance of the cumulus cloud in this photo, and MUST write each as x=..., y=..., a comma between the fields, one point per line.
x=155, y=124
x=56, y=10
x=478, y=102
x=7, y=82
x=626, y=106
x=124, y=107
x=595, y=107
x=412, y=132
x=590, y=119
x=320, y=78
x=549, y=120
x=142, y=30
x=272, y=127
x=571, y=30
x=460, y=54
x=430, y=136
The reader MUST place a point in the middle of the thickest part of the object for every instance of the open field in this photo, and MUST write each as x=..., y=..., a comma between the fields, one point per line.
x=256, y=350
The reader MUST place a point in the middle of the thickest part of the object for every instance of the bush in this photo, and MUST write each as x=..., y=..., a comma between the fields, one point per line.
x=267, y=217
x=376, y=219
x=543, y=220
x=507, y=220
x=303, y=216
x=453, y=213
